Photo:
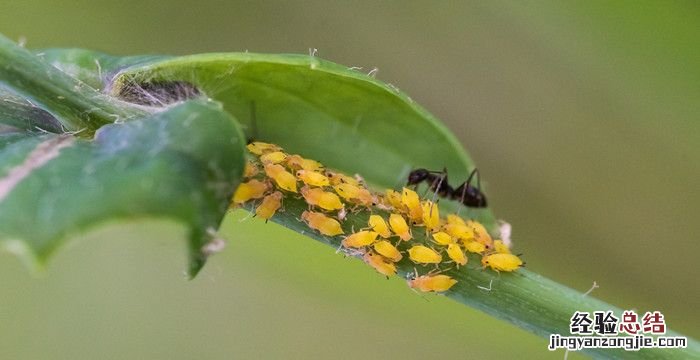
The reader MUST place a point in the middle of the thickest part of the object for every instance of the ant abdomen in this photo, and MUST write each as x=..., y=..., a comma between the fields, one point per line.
x=472, y=197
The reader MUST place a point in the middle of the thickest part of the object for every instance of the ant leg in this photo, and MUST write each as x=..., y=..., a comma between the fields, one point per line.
x=478, y=178
x=437, y=189
x=466, y=185
x=440, y=180
x=461, y=199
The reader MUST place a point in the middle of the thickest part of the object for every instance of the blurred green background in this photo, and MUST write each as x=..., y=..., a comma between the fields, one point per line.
x=583, y=117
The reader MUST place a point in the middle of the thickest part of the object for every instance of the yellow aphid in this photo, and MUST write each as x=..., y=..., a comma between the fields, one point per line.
x=443, y=238
x=259, y=148
x=410, y=198
x=323, y=199
x=297, y=162
x=475, y=247
x=360, y=239
x=480, y=234
x=354, y=193
x=424, y=255
x=347, y=191
x=399, y=227
x=455, y=219
x=282, y=178
x=269, y=206
x=394, y=199
x=366, y=198
x=388, y=250
x=500, y=247
x=382, y=266
x=378, y=224
x=312, y=178
x=382, y=203
x=337, y=178
x=274, y=157
x=250, y=169
x=253, y=189
x=502, y=262
x=428, y=283
x=459, y=231
x=431, y=215
x=324, y=224
x=411, y=201
x=456, y=254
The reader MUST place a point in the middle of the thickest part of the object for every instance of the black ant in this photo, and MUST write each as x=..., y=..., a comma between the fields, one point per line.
x=467, y=194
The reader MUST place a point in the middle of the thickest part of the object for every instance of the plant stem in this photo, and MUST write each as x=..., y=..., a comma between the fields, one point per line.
x=523, y=298
x=75, y=104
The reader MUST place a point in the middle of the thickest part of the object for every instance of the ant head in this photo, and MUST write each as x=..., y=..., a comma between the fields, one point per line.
x=417, y=175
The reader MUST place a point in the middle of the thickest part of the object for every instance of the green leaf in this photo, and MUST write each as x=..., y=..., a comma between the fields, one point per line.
x=181, y=164
x=342, y=117
x=77, y=106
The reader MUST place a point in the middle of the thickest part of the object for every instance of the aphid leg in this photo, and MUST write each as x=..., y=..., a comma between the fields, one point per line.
x=436, y=270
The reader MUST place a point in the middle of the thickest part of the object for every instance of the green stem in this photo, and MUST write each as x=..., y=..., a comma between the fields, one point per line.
x=523, y=298
x=75, y=104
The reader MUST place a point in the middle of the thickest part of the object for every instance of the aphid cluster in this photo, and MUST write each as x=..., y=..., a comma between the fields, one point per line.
x=388, y=237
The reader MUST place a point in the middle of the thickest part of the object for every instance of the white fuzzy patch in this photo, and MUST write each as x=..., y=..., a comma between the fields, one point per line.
x=42, y=154
x=505, y=230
